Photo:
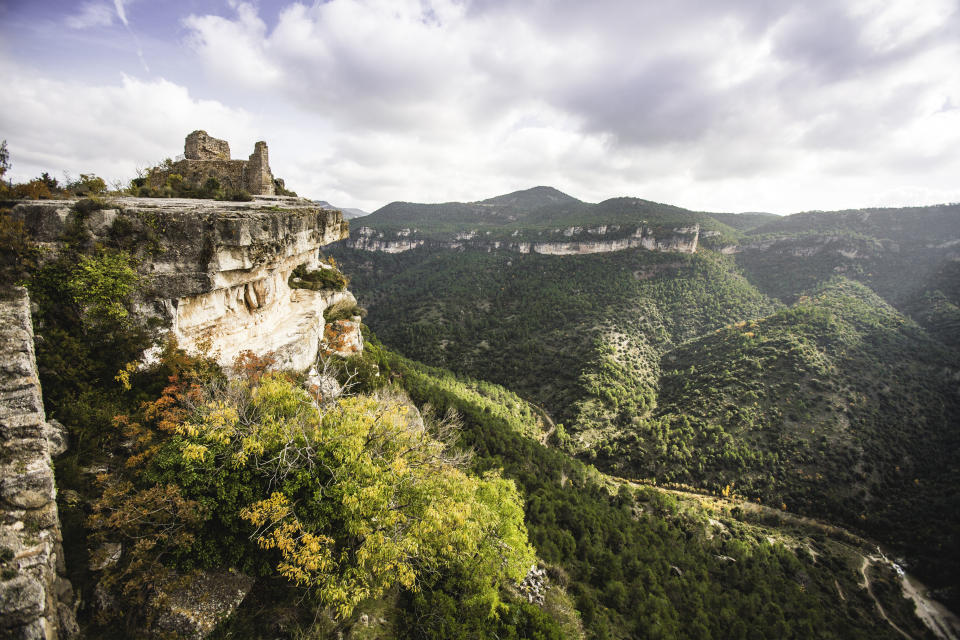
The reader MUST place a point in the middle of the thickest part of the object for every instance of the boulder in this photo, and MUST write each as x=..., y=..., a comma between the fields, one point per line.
x=194, y=611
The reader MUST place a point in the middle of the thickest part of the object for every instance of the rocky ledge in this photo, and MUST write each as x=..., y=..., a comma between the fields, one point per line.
x=215, y=273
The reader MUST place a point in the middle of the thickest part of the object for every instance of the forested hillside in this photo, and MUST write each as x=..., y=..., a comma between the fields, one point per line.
x=645, y=562
x=533, y=511
x=808, y=362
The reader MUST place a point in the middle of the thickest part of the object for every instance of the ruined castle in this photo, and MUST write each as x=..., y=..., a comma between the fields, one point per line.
x=206, y=157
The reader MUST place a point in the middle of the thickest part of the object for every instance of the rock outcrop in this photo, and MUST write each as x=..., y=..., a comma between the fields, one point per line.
x=193, y=612
x=558, y=242
x=36, y=600
x=216, y=273
x=342, y=338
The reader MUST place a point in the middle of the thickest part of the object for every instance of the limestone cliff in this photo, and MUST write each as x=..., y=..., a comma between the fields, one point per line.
x=35, y=598
x=216, y=273
x=568, y=241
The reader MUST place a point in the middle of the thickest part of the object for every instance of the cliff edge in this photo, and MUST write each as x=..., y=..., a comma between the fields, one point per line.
x=214, y=274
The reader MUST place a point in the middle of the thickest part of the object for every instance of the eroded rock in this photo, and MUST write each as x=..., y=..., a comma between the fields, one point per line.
x=34, y=601
x=217, y=272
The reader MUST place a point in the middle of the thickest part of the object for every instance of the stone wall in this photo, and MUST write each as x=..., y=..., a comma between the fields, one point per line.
x=36, y=601
x=231, y=174
x=207, y=157
x=201, y=146
x=215, y=273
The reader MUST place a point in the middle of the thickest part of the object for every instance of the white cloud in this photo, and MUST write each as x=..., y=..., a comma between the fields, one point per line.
x=121, y=11
x=710, y=105
x=109, y=130
x=91, y=14
x=731, y=105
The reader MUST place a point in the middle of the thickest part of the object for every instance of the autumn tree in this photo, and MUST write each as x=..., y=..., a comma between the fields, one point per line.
x=346, y=500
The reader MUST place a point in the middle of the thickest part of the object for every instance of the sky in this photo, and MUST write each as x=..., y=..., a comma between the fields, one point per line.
x=716, y=105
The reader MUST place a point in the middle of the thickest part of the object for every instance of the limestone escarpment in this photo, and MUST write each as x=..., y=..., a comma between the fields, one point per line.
x=35, y=598
x=216, y=273
x=569, y=241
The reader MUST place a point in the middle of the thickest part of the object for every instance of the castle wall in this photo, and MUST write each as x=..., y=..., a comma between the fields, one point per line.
x=259, y=178
x=230, y=173
x=207, y=157
x=201, y=146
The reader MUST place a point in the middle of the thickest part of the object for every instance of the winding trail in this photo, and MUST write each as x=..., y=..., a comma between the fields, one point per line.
x=937, y=617
x=940, y=620
x=867, y=561
x=551, y=427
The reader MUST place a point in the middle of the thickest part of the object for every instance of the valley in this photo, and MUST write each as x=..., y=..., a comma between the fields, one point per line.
x=656, y=441
x=808, y=361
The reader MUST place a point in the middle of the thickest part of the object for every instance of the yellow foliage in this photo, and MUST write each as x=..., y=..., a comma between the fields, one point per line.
x=402, y=504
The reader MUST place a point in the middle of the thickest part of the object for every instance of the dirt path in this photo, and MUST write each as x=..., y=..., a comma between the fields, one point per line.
x=551, y=427
x=867, y=560
x=938, y=618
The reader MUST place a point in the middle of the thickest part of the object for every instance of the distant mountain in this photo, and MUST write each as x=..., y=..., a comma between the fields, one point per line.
x=510, y=209
x=348, y=212
x=530, y=199
x=744, y=221
x=536, y=209
x=541, y=220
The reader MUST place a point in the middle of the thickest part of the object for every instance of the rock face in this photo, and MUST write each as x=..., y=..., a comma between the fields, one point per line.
x=215, y=273
x=35, y=598
x=342, y=338
x=193, y=612
x=558, y=242
x=207, y=157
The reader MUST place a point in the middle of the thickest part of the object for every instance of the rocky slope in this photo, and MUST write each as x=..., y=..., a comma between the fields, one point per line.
x=216, y=276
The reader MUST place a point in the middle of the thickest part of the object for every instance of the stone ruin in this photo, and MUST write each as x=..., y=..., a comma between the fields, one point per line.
x=206, y=157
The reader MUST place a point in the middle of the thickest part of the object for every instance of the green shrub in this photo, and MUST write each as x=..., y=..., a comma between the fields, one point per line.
x=397, y=506
x=343, y=312
x=18, y=254
x=87, y=206
x=87, y=184
x=319, y=280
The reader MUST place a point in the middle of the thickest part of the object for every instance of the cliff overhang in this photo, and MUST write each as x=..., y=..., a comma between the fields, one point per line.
x=215, y=274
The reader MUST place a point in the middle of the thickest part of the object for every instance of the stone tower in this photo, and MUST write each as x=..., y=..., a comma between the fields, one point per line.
x=259, y=178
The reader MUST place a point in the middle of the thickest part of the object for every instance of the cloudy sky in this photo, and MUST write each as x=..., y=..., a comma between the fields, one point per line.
x=724, y=105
